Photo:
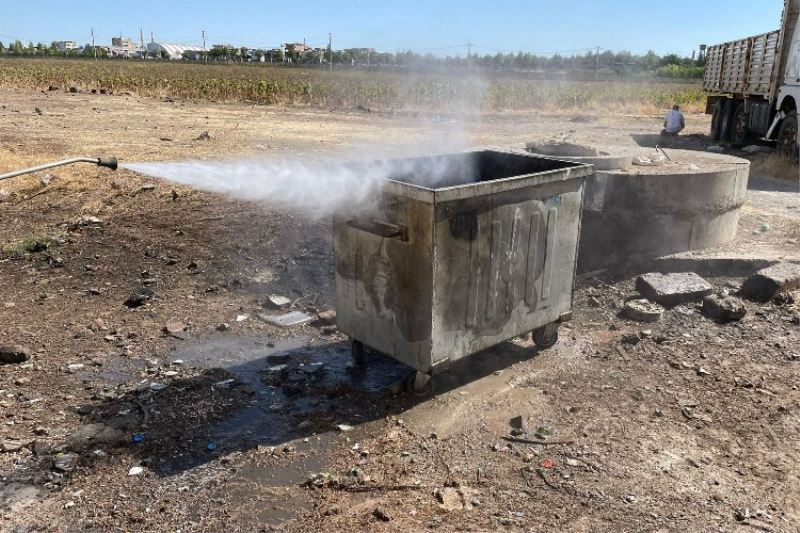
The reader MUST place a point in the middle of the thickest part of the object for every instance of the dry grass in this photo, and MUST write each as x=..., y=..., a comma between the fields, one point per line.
x=379, y=90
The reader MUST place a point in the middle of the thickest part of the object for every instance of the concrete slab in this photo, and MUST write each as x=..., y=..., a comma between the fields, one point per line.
x=287, y=320
x=673, y=289
x=768, y=282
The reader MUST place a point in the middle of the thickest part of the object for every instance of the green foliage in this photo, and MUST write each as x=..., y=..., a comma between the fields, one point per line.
x=350, y=88
x=680, y=71
x=30, y=245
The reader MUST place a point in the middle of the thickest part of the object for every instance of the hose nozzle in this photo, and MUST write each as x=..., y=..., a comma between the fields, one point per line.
x=108, y=162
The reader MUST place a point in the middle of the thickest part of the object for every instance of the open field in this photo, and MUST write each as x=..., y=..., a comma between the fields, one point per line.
x=648, y=441
x=378, y=90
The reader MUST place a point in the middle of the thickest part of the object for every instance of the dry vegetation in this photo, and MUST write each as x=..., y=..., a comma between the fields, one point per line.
x=380, y=89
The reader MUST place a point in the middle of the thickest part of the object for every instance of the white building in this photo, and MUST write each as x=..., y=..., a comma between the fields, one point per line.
x=172, y=51
x=66, y=45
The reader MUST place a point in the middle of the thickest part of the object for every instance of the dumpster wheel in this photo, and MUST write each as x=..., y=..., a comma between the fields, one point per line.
x=546, y=336
x=358, y=354
x=420, y=384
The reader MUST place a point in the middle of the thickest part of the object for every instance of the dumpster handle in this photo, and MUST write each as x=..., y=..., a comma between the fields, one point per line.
x=380, y=228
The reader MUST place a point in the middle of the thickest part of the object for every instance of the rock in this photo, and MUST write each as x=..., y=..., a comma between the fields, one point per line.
x=717, y=149
x=327, y=317
x=768, y=282
x=344, y=427
x=381, y=514
x=329, y=330
x=519, y=426
x=643, y=310
x=135, y=471
x=723, y=308
x=38, y=111
x=305, y=424
x=66, y=462
x=52, y=88
x=74, y=367
x=73, y=90
x=673, y=289
x=176, y=330
x=205, y=136
x=276, y=301
x=286, y=320
x=139, y=297
x=9, y=446
x=224, y=327
x=13, y=354
x=96, y=435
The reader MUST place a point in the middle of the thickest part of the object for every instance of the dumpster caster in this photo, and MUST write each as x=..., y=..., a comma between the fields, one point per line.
x=358, y=354
x=420, y=384
x=546, y=336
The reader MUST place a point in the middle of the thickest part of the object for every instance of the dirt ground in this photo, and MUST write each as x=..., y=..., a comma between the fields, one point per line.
x=176, y=415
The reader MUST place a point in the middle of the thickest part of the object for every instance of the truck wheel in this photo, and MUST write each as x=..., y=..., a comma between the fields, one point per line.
x=739, y=131
x=787, y=138
x=716, y=118
x=726, y=126
x=546, y=336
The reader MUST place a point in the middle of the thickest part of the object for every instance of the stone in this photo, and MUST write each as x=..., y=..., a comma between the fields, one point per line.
x=276, y=301
x=13, y=354
x=66, y=462
x=723, y=308
x=223, y=327
x=673, y=289
x=8, y=446
x=643, y=310
x=327, y=317
x=205, y=136
x=768, y=282
x=139, y=297
x=381, y=514
x=329, y=330
x=135, y=471
x=96, y=435
x=519, y=426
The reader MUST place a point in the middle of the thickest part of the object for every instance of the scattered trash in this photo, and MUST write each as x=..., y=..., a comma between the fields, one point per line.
x=157, y=386
x=287, y=320
x=135, y=471
x=211, y=446
x=653, y=161
x=138, y=438
x=643, y=310
x=717, y=149
x=548, y=464
x=519, y=426
x=241, y=318
x=205, y=136
x=752, y=149
x=74, y=367
x=344, y=427
x=542, y=433
x=764, y=228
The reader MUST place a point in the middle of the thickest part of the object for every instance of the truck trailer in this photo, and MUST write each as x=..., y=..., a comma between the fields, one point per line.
x=754, y=86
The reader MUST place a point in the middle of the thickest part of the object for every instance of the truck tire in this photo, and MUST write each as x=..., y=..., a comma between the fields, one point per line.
x=716, y=118
x=740, y=132
x=727, y=120
x=787, y=138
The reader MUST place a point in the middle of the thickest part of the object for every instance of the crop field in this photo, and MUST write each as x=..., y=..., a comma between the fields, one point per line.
x=380, y=90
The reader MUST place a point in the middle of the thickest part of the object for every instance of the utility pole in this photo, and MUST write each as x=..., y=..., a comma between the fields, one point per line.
x=330, y=50
x=205, y=53
x=94, y=48
x=597, y=63
x=141, y=39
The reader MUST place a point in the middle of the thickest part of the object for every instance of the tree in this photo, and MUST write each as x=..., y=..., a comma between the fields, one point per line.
x=2, y=47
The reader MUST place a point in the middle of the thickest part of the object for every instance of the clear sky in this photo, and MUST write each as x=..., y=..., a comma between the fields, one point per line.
x=438, y=26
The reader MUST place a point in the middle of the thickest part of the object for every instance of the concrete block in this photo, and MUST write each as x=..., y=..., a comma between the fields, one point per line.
x=672, y=289
x=767, y=283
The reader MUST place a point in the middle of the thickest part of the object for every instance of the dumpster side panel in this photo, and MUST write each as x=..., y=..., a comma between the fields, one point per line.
x=384, y=278
x=504, y=265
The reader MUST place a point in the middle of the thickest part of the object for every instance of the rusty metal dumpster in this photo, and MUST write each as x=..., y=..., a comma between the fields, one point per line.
x=439, y=269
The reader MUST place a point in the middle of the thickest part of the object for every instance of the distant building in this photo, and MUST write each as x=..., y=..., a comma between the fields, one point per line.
x=297, y=47
x=124, y=43
x=66, y=45
x=171, y=51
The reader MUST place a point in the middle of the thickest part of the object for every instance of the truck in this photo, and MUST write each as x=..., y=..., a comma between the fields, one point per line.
x=754, y=86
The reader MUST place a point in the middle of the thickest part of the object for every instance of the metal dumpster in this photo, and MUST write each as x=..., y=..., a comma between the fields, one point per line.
x=449, y=262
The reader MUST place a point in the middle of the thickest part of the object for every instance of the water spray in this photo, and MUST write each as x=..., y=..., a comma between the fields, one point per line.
x=107, y=162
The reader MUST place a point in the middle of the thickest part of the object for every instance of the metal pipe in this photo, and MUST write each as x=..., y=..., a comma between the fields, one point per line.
x=108, y=162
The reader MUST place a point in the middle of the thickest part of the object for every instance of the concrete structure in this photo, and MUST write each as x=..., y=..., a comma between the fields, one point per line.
x=172, y=51
x=123, y=43
x=637, y=215
x=459, y=253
